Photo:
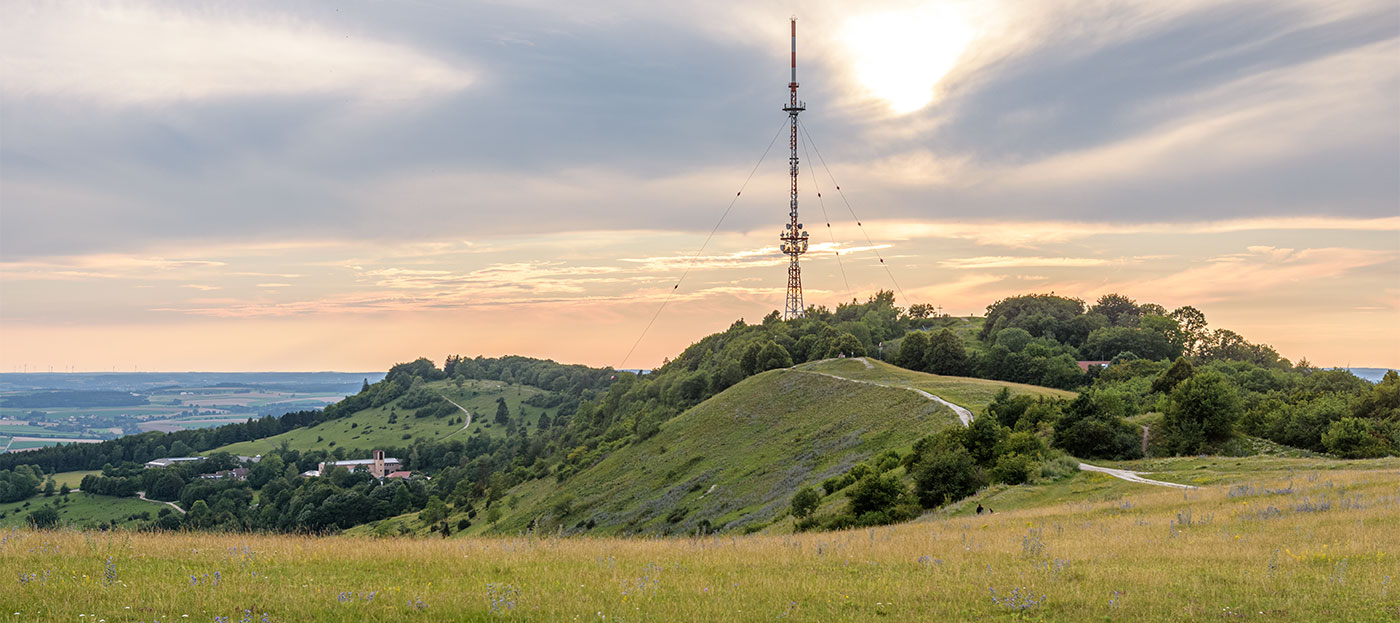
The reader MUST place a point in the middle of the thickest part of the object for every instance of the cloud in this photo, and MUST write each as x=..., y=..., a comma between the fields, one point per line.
x=1004, y=261
x=1259, y=270
x=132, y=53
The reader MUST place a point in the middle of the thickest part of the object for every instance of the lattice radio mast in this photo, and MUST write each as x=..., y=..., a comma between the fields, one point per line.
x=794, y=237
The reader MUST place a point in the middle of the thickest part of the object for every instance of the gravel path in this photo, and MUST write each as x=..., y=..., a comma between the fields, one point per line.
x=464, y=410
x=965, y=416
x=1130, y=476
x=142, y=495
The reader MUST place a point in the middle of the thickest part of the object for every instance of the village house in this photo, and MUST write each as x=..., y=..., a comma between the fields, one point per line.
x=168, y=461
x=237, y=473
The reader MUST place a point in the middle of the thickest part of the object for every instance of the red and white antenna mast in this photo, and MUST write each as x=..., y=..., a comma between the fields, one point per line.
x=794, y=237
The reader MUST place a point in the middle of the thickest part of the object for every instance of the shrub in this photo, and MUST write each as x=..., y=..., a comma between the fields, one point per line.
x=945, y=475
x=44, y=517
x=1013, y=468
x=1354, y=438
x=1086, y=430
x=1058, y=468
x=805, y=502
x=876, y=493
x=1203, y=409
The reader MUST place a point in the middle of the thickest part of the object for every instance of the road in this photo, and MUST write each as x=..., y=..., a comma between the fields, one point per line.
x=142, y=495
x=965, y=416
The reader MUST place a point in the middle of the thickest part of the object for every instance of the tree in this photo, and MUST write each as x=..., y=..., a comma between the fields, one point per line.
x=1106, y=343
x=876, y=493
x=502, y=411
x=1168, y=380
x=434, y=511
x=847, y=345
x=200, y=516
x=913, y=351
x=984, y=434
x=49, y=488
x=946, y=355
x=945, y=474
x=1036, y=313
x=772, y=356
x=805, y=502
x=1120, y=310
x=1203, y=410
x=1013, y=339
x=271, y=466
x=1193, y=328
x=1087, y=430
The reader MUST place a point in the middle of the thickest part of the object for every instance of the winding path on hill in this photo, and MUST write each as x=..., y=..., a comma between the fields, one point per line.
x=965, y=416
x=464, y=410
x=1130, y=476
x=142, y=495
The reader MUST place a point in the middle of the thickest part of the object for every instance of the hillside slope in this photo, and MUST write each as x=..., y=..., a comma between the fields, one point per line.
x=370, y=428
x=734, y=461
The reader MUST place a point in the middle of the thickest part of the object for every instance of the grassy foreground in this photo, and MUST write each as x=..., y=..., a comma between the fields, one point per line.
x=1323, y=548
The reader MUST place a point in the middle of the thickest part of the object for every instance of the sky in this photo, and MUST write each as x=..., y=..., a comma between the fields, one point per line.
x=293, y=186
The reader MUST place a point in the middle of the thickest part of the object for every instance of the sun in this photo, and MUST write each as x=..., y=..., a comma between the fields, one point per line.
x=900, y=56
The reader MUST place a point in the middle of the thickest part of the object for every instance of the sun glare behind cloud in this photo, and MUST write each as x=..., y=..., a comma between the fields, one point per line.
x=900, y=56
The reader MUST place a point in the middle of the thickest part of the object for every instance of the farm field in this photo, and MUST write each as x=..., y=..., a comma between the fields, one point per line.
x=103, y=406
x=1323, y=549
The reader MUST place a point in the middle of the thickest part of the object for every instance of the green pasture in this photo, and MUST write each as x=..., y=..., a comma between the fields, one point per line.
x=370, y=428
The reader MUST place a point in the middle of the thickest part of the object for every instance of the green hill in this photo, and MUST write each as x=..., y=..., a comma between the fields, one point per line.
x=734, y=461
x=370, y=428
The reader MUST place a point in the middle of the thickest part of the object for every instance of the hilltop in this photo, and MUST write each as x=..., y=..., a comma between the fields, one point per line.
x=733, y=461
x=472, y=411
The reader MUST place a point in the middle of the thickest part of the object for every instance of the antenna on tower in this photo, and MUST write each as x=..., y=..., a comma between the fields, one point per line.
x=794, y=237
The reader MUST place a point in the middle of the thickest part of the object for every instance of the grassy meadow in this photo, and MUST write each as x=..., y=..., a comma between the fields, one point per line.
x=1288, y=546
x=370, y=428
x=83, y=510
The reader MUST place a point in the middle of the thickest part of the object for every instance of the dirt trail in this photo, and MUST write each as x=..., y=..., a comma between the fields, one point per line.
x=464, y=410
x=965, y=416
x=142, y=495
x=1130, y=476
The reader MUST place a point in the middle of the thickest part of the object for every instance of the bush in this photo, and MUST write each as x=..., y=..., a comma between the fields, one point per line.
x=805, y=502
x=44, y=517
x=945, y=475
x=1058, y=468
x=1013, y=468
x=1354, y=438
x=876, y=493
x=1203, y=410
x=1086, y=430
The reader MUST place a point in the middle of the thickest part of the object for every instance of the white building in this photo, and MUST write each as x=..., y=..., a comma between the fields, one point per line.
x=379, y=466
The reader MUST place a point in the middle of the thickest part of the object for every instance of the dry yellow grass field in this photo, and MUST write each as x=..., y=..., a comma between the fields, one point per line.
x=1307, y=546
